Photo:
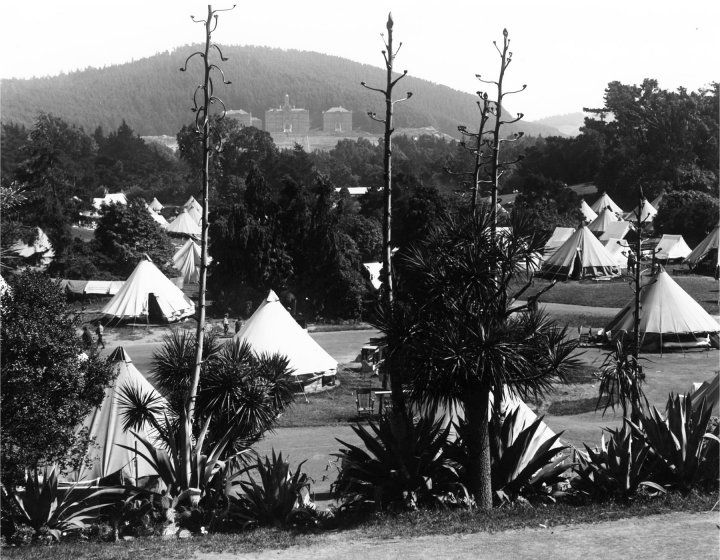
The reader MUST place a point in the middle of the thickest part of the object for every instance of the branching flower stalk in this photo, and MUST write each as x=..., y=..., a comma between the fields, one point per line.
x=204, y=130
x=496, y=109
x=389, y=55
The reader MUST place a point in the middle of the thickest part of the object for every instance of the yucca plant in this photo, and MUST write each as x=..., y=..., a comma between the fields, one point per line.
x=617, y=470
x=50, y=510
x=273, y=495
x=393, y=473
x=682, y=452
x=620, y=382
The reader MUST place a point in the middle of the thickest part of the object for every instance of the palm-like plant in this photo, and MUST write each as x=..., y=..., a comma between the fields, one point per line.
x=682, y=452
x=458, y=334
x=621, y=382
x=388, y=472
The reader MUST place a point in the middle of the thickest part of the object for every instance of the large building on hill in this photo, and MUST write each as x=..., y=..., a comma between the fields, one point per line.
x=337, y=119
x=244, y=118
x=287, y=118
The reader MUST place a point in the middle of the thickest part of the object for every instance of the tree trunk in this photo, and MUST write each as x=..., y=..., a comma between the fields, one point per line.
x=477, y=404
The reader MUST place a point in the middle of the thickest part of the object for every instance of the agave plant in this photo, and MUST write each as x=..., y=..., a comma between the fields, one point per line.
x=621, y=382
x=395, y=473
x=49, y=510
x=617, y=470
x=682, y=452
x=278, y=497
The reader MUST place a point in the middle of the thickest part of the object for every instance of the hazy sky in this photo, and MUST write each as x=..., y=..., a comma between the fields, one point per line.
x=565, y=51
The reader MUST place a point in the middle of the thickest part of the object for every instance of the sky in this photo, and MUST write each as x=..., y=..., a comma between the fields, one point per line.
x=566, y=51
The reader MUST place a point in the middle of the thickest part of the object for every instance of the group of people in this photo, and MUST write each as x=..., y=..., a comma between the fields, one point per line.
x=87, y=337
x=226, y=325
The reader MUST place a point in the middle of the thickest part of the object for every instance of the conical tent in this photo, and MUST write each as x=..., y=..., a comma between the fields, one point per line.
x=187, y=260
x=159, y=218
x=272, y=329
x=706, y=246
x=600, y=224
x=667, y=314
x=619, y=250
x=148, y=294
x=195, y=214
x=672, y=247
x=616, y=230
x=40, y=252
x=606, y=202
x=646, y=210
x=194, y=204
x=374, y=269
x=559, y=236
x=184, y=224
x=105, y=425
x=155, y=205
x=581, y=256
x=658, y=201
x=588, y=213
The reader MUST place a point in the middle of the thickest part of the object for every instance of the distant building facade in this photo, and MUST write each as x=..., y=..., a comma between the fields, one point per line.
x=257, y=123
x=337, y=119
x=243, y=117
x=287, y=119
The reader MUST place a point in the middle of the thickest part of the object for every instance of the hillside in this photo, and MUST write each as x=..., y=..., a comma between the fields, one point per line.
x=568, y=123
x=154, y=98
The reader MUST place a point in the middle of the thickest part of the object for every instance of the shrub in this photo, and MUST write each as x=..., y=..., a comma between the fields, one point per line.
x=399, y=473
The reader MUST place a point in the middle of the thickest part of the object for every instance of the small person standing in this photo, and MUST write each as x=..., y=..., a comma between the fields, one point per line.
x=237, y=326
x=87, y=339
x=226, y=324
x=99, y=331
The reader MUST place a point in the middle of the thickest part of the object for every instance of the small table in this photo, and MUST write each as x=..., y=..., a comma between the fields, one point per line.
x=381, y=394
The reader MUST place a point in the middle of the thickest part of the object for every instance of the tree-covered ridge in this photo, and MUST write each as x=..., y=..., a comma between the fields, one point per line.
x=151, y=95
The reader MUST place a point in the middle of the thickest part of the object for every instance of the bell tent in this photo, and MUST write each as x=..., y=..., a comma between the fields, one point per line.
x=159, y=218
x=558, y=237
x=193, y=204
x=155, y=205
x=187, y=260
x=672, y=247
x=708, y=248
x=149, y=296
x=669, y=316
x=646, y=210
x=619, y=250
x=588, y=213
x=271, y=329
x=600, y=224
x=184, y=225
x=606, y=202
x=581, y=256
x=105, y=426
x=616, y=230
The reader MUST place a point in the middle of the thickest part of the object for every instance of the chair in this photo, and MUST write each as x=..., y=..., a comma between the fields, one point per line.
x=365, y=402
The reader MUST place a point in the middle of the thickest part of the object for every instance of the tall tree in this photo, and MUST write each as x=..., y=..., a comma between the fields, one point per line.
x=458, y=334
x=389, y=55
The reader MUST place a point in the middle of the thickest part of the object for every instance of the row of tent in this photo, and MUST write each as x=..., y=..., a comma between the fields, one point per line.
x=576, y=254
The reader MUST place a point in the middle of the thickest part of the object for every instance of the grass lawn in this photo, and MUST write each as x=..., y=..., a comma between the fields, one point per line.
x=617, y=293
x=384, y=526
x=334, y=406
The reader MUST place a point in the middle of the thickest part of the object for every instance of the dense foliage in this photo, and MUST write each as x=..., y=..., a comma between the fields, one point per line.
x=47, y=387
x=261, y=77
x=691, y=214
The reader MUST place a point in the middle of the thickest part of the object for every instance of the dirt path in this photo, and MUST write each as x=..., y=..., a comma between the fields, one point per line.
x=681, y=535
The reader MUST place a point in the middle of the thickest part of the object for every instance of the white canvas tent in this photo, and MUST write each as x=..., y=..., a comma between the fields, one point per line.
x=581, y=256
x=558, y=237
x=647, y=212
x=706, y=246
x=606, y=202
x=600, y=224
x=184, y=224
x=194, y=204
x=658, y=201
x=115, y=198
x=159, y=218
x=105, y=426
x=588, y=213
x=668, y=315
x=195, y=214
x=187, y=260
x=148, y=295
x=619, y=250
x=616, y=230
x=40, y=252
x=672, y=247
x=272, y=329
x=155, y=205
x=374, y=269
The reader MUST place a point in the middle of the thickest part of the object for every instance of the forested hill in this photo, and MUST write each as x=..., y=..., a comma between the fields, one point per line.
x=154, y=98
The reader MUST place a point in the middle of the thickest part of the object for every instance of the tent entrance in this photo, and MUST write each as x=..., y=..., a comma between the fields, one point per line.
x=155, y=312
